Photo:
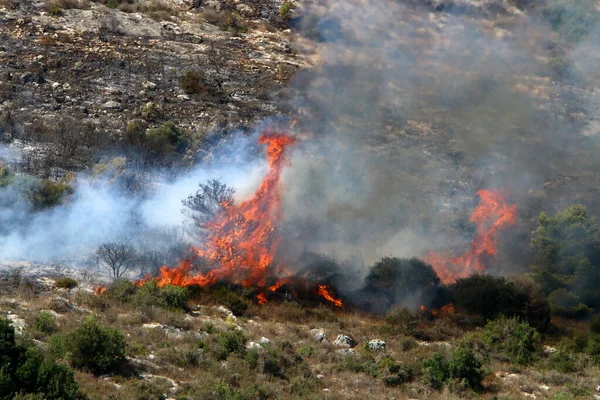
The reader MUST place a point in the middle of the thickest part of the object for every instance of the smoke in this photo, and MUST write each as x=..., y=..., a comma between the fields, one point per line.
x=99, y=211
x=410, y=112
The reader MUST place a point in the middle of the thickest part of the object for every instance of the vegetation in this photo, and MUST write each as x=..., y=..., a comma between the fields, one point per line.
x=65, y=283
x=26, y=372
x=567, y=261
x=462, y=366
x=92, y=347
x=48, y=193
x=512, y=338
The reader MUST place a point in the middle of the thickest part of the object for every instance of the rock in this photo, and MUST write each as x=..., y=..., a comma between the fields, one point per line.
x=254, y=346
x=66, y=86
x=183, y=97
x=227, y=312
x=26, y=77
x=18, y=323
x=111, y=105
x=549, y=350
x=319, y=335
x=264, y=340
x=149, y=85
x=152, y=325
x=376, y=345
x=55, y=85
x=320, y=376
x=346, y=352
x=344, y=341
x=544, y=387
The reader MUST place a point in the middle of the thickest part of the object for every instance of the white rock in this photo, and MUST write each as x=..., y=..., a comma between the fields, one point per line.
x=346, y=352
x=112, y=105
x=549, y=349
x=264, y=340
x=344, y=341
x=376, y=345
x=253, y=346
x=544, y=387
x=319, y=335
x=183, y=97
x=55, y=85
x=149, y=85
x=152, y=325
x=18, y=323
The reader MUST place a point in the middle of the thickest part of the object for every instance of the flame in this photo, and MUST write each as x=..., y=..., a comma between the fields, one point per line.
x=491, y=215
x=99, y=290
x=325, y=292
x=262, y=299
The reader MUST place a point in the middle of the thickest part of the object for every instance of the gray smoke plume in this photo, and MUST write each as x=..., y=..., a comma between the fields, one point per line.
x=410, y=111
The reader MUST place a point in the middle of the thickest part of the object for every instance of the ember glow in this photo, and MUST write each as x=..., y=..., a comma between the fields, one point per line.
x=99, y=290
x=490, y=216
x=242, y=239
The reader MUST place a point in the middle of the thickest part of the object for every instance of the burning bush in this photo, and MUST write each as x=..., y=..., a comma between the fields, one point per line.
x=394, y=281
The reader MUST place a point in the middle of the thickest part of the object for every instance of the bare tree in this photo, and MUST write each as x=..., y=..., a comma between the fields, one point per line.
x=210, y=199
x=160, y=247
x=116, y=257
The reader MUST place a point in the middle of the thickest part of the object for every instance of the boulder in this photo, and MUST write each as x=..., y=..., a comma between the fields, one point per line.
x=376, y=345
x=344, y=341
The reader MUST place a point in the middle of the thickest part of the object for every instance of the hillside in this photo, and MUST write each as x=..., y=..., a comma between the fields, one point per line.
x=322, y=199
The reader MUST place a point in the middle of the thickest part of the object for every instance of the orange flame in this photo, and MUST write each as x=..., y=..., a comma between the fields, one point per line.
x=325, y=292
x=262, y=299
x=99, y=290
x=491, y=214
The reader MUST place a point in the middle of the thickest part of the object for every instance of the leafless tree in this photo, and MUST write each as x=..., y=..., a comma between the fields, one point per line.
x=210, y=199
x=160, y=247
x=116, y=257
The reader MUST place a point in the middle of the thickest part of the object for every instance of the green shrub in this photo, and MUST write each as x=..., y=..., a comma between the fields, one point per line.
x=513, y=338
x=285, y=11
x=436, y=371
x=45, y=322
x=166, y=139
x=26, y=373
x=232, y=341
x=175, y=297
x=6, y=176
x=65, y=283
x=463, y=366
x=94, y=348
x=401, y=319
x=566, y=358
x=48, y=194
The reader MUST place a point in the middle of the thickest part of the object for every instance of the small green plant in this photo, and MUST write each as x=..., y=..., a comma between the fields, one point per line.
x=232, y=341
x=48, y=193
x=175, y=297
x=286, y=9
x=436, y=371
x=513, y=338
x=65, y=283
x=45, y=322
x=93, y=348
x=463, y=366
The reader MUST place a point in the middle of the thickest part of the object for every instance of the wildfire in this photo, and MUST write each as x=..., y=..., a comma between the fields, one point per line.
x=99, y=290
x=242, y=239
x=491, y=215
x=325, y=292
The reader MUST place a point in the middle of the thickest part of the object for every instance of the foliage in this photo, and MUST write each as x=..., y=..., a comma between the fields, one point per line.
x=192, y=82
x=65, y=283
x=227, y=20
x=490, y=296
x=174, y=297
x=392, y=280
x=47, y=193
x=401, y=319
x=286, y=9
x=513, y=338
x=232, y=341
x=45, y=322
x=567, y=260
x=6, y=175
x=116, y=257
x=163, y=142
x=94, y=348
x=26, y=372
x=462, y=366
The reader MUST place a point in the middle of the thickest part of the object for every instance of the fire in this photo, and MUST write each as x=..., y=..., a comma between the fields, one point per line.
x=325, y=292
x=99, y=290
x=242, y=239
x=490, y=216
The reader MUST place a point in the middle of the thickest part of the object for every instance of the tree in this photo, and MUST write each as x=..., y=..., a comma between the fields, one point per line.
x=394, y=280
x=567, y=260
x=116, y=257
x=209, y=200
x=160, y=247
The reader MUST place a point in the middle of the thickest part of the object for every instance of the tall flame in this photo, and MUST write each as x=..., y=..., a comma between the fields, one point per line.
x=491, y=214
x=241, y=239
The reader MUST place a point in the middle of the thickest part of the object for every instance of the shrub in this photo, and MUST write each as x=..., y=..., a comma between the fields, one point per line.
x=233, y=341
x=436, y=371
x=402, y=320
x=166, y=139
x=285, y=11
x=491, y=296
x=150, y=294
x=225, y=19
x=192, y=82
x=512, y=338
x=94, y=348
x=462, y=366
x=175, y=297
x=25, y=372
x=48, y=194
x=595, y=324
x=393, y=280
x=65, y=283
x=45, y=322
